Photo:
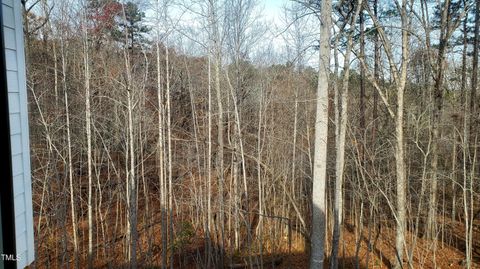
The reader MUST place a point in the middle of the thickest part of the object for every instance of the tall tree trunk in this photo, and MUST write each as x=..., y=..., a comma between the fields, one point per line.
x=362, y=87
x=132, y=234
x=437, y=114
x=401, y=184
x=463, y=93
x=474, y=81
x=169, y=150
x=220, y=161
x=470, y=137
x=259, y=174
x=376, y=74
x=161, y=145
x=69, y=149
x=216, y=51
x=464, y=58
x=132, y=185
x=88, y=128
x=340, y=143
x=319, y=207
x=161, y=166
x=209, y=165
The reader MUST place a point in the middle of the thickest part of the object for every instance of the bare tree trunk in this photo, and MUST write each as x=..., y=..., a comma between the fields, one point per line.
x=209, y=165
x=132, y=234
x=88, y=128
x=220, y=131
x=401, y=184
x=437, y=113
x=362, y=87
x=132, y=185
x=169, y=150
x=473, y=93
x=259, y=174
x=340, y=144
x=69, y=149
x=216, y=50
x=376, y=74
x=469, y=147
x=319, y=209
x=161, y=145
x=160, y=151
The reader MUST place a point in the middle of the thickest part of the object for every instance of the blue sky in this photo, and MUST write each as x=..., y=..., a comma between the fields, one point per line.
x=273, y=8
x=273, y=4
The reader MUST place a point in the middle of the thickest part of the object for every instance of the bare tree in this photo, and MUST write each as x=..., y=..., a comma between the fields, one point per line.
x=341, y=130
x=319, y=210
x=399, y=75
x=88, y=130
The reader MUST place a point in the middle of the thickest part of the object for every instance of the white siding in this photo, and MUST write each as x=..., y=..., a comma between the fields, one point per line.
x=8, y=15
x=15, y=124
x=17, y=98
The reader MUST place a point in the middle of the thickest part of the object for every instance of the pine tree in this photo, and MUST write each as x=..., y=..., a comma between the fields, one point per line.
x=130, y=29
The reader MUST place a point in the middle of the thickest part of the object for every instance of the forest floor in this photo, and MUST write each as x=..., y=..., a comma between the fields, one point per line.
x=382, y=252
x=381, y=255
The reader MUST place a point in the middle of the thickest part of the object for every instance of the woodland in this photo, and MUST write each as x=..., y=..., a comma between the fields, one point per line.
x=207, y=134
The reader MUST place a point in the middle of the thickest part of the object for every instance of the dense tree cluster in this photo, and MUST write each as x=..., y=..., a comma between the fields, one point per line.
x=166, y=133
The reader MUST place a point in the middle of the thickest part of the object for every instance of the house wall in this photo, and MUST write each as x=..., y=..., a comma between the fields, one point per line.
x=17, y=100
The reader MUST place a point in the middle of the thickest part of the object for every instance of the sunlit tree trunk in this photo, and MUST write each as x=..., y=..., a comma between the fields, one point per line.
x=319, y=207
x=161, y=142
x=88, y=129
x=169, y=150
